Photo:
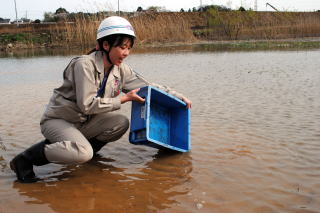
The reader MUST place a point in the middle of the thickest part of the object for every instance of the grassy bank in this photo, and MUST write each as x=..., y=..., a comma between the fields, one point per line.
x=161, y=28
x=261, y=25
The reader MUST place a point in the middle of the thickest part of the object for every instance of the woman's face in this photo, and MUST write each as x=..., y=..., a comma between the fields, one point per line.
x=119, y=53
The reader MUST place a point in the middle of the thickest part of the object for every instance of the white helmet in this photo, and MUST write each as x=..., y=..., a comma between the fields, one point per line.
x=114, y=25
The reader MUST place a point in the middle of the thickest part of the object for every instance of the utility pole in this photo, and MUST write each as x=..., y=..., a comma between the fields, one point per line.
x=118, y=8
x=256, y=5
x=15, y=6
x=201, y=5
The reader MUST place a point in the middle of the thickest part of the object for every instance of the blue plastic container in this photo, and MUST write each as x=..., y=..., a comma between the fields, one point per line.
x=162, y=121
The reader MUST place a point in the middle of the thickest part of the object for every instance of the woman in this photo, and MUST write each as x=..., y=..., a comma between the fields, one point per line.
x=80, y=117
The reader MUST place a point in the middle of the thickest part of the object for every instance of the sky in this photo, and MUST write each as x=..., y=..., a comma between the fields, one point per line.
x=34, y=9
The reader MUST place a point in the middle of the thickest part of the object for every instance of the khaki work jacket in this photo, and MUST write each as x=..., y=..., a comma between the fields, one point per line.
x=77, y=99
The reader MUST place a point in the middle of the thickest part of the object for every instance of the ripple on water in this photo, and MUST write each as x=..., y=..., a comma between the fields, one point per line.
x=254, y=133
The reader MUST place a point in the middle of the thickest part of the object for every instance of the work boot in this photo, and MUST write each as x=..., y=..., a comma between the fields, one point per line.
x=23, y=163
x=96, y=145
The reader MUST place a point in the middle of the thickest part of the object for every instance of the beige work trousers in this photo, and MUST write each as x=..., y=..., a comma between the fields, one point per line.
x=69, y=142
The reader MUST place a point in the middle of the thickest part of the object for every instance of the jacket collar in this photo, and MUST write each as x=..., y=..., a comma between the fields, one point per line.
x=100, y=66
x=98, y=59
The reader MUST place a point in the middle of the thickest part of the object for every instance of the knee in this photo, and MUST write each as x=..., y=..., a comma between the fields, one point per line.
x=120, y=128
x=69, y=152
x=84, y=154
x=112, y=134
x=123, y=123
x=120, y=125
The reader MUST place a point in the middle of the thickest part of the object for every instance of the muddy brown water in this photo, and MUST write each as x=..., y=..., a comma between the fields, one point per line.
x=255, y=133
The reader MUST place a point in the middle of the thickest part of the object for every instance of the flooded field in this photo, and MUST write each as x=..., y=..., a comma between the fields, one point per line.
x=255, y=133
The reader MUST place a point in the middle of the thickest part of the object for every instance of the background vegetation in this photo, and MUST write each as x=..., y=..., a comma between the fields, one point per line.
x=211, y=24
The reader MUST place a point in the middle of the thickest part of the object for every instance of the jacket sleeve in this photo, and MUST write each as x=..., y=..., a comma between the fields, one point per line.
x=133, y=80
x=86, y=90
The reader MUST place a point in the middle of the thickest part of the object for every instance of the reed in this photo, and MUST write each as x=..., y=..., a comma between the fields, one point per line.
x=235, y=25
x=162, y=27
x=83, y=31
x=171, y=27
x=149, y=28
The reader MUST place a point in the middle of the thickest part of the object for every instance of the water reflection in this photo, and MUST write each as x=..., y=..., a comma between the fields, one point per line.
x=100, y=187
x=217, y=46
x=29, y=53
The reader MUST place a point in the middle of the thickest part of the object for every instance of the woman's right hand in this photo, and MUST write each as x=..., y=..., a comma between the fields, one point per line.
x=132, y=96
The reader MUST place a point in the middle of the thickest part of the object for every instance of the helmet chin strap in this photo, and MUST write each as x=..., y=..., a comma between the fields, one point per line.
x=107, y=54
x=100, y=47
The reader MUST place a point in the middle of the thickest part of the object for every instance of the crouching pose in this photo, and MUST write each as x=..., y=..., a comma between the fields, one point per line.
x=81, y=115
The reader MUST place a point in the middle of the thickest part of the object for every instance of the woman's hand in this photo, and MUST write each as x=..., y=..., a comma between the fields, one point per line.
x=188, y=102
x=132, y=96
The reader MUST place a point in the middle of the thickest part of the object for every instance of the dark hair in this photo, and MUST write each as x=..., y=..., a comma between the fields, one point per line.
x=114, y=40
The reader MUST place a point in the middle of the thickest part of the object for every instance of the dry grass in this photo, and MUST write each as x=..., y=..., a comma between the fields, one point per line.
x=177, y=27
x=149, y=28
x=83, y=31
x=162, y=27
x=262, y=25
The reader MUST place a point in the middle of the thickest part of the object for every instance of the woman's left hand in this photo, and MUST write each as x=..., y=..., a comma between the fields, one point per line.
x=188, y=102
